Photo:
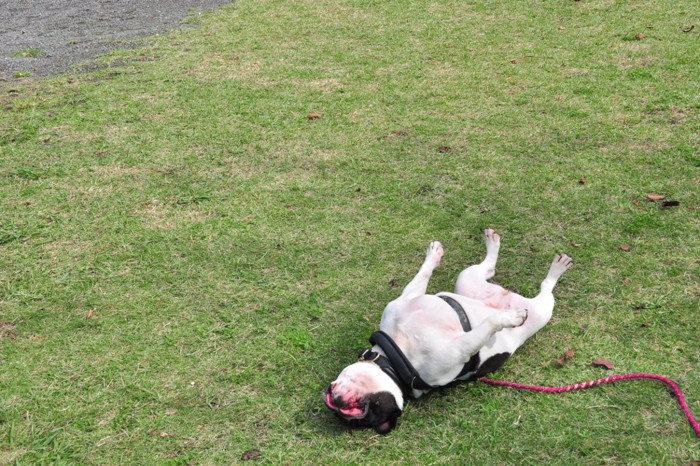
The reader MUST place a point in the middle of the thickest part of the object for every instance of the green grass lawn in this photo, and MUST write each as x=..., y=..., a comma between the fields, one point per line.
x=187, y=259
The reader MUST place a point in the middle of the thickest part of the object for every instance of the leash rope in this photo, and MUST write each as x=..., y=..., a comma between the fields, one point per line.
x=592, y=383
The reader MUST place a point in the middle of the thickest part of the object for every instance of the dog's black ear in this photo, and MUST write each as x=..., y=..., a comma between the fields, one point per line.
x=387, y=426
x=383, y=412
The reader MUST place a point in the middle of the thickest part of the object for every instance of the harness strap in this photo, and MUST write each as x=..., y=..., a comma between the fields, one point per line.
x=463, y=319
x=399, y=363
x=473, y=362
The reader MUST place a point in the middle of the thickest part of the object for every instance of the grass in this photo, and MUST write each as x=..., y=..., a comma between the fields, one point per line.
x=28, y=53
x=187, y=259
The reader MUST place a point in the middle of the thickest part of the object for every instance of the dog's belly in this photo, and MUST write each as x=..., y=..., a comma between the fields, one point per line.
x=505, y=299
x=428, y=330
x=480, y=309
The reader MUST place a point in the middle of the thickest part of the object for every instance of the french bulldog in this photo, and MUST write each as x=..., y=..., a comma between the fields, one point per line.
x=429, y=341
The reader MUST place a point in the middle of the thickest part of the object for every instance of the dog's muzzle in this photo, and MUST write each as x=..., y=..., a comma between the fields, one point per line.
x=349, y=410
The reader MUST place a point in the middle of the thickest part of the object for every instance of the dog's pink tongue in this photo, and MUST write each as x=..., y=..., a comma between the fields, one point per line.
x=351, y=411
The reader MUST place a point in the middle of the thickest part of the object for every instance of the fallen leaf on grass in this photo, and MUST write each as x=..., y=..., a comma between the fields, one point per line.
x=89, y=314
x=250, y=455
x=444, y=149
x=667, y=204
x=397, y=133
x=313, y=116
x=566, y=355
x=602, y=362
x=625, y=247
x=656, y=197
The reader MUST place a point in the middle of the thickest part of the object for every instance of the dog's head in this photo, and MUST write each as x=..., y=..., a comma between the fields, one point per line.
x=366, y=397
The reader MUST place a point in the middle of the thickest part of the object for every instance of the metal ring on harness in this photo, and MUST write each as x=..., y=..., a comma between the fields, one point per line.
x=364, y=354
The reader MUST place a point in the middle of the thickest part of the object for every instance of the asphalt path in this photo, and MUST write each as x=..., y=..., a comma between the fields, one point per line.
x=46, y=37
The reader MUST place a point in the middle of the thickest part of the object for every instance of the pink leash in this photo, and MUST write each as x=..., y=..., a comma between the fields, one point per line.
x=536, y=388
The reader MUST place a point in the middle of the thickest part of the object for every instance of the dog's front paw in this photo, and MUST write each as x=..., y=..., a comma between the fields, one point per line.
x=435, y=252
x=514, y=318
x=492, y=237
x=493, y=244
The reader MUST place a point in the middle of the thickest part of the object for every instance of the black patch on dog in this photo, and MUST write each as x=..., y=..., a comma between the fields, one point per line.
x=382, y=413
x=470, y=366
x=492, y=364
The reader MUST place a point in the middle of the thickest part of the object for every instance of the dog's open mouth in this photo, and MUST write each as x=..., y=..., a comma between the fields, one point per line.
x=352, y=411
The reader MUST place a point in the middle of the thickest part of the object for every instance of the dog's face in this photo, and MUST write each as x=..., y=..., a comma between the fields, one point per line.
x=361, y=396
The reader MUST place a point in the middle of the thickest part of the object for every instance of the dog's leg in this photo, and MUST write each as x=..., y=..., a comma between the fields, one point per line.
x=560, y=264
x=541, y=306
x=472, y=282
x=472, y=341
x=419, y=284
x=415, y=288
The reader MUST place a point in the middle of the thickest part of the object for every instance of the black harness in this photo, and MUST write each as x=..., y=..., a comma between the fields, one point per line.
x=399, y=368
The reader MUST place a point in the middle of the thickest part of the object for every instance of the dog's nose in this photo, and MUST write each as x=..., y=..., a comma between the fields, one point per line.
x=338, y=401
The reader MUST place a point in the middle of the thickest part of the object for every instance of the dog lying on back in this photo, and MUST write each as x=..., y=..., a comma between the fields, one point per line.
x=430, y=341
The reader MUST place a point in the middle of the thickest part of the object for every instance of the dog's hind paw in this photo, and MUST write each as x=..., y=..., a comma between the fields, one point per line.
x=560, y=264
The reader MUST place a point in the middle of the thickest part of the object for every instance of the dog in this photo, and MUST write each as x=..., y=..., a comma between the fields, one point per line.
x=430, y=341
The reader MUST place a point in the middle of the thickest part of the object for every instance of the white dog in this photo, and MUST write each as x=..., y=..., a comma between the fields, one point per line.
x=429, y=341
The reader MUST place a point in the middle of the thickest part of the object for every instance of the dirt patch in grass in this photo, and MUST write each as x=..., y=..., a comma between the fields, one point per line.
x=162, y=216
x=7, y=330
x=46, y=37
